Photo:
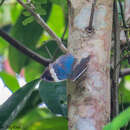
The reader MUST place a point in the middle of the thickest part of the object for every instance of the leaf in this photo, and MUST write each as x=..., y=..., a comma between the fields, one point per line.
x=54, y=123
x=28, y=35
x=15, y=12
x=54, y=96
x=56, y=20
x=33, y=70
x=10, y=81
x=11, y=108
x=26, y=13
x=53, y=48
x=124, y=93
x=40, y=11
x=3, y=45
x=28, y=20
x=33, y=101
x=40, y=119
x=119, y=121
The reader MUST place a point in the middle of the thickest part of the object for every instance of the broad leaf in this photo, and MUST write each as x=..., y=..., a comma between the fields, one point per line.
x=10, y=109
x=54, y=96
x=40, y=119
x=56, y=20
x=33, y=70
x=27, y=35
x=10, y=81
x=119, y=121
x=124, y=92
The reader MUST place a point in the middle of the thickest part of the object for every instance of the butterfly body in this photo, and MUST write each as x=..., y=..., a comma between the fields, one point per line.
x=64, y=68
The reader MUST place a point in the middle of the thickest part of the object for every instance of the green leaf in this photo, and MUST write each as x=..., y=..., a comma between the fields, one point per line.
x=119, y=121
x=28, y=35
x=11, y=108
x=53, y=48
x=10, y=81
x=26, y=13
x=33, y=70
x=41, y=11
x=124, y=93
x=33, y=101
x=39, y=1
x=40, y=119
x=56, y=20
x=54, y=96
x=3, y=45
x=28, y=20
x=15, y=12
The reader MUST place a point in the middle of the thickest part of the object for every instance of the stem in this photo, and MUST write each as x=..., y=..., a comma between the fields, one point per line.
x=125, y=72
x=90, y=27
x=115, y=77
x=45, y=26
x=24, y=49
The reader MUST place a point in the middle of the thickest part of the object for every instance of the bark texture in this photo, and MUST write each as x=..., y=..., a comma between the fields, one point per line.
x=89, y=96
x=127, y=11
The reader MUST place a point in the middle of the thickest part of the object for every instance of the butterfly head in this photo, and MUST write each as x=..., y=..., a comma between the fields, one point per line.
x=47, y=76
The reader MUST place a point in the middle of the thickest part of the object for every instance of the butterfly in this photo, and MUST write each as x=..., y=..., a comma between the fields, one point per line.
x=65, y=67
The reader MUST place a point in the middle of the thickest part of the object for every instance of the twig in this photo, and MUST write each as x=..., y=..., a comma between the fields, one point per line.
x=125, y=72
x=45, y=26
x=90, y=27
x=115, y=77
x=24, y=49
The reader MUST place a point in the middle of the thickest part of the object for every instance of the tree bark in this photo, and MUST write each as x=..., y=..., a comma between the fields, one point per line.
x=89, y=97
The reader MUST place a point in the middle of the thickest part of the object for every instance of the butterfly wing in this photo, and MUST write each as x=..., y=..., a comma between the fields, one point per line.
x=63, y=66
x=80, y=68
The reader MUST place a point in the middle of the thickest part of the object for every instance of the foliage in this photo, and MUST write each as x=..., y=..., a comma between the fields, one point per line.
x=120, y=121
x=11, y=82
x=54, y=96
x=23, y=104
x=24, y=108
x=11, y=108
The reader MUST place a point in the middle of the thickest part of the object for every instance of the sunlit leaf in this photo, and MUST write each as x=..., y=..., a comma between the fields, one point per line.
x=33, y=70
x=119, y=121
x=28, y=20
x=27, y=35
x=124, y=92
x=57, y=25
x=10, y=81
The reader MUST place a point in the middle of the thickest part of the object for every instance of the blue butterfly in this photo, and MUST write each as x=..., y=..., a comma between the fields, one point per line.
x=65, y=67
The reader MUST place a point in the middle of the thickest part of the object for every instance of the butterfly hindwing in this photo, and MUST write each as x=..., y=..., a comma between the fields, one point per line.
x=80, y=68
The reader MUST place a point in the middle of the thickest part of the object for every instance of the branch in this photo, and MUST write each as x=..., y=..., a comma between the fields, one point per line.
x=24, y=49
x=125, y=72
x=90, y=27
x=45, y=26
x=115, y=77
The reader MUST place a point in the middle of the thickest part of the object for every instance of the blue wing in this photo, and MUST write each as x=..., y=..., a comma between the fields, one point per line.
x=63, y=66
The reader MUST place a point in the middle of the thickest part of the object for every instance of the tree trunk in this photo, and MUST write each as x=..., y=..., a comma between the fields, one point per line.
x=89, y=96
